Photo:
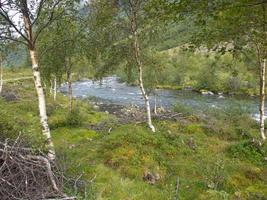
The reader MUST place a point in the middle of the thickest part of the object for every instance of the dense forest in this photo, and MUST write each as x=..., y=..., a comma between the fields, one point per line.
x=133, y=99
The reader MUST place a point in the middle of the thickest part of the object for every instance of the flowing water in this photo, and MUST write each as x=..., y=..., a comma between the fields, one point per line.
x=110, y=90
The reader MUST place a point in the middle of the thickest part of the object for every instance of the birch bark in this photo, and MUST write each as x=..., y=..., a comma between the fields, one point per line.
x=137, y=55
x=37, y=82
x=262, y=97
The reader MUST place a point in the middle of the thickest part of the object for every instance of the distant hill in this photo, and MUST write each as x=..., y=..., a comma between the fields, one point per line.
x=17, y=57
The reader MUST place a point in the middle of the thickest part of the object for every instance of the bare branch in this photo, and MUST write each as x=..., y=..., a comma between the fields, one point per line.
x=4, y=38
x=25, y=175
x=52, y=17
x=5, y=15
x=39, y=9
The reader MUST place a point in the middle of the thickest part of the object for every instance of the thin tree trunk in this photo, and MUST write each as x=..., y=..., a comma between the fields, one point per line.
x=51, y=87
x=1, y=75
x=70, y=91
x=262, y=97
x=42, y=105
x=155, y=105
x=55, y=88
x=139, y=63
x=38, y=83
x=262, y=75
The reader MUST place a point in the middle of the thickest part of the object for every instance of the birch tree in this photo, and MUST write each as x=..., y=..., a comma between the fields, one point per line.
x=119, y=35
x=132, y=10
x=63, y=52
x=23, y=21
x=1, y=72
x=2, y=57
x=4, y=46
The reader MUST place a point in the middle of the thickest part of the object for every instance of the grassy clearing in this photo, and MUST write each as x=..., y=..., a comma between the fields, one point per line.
x=214, y=158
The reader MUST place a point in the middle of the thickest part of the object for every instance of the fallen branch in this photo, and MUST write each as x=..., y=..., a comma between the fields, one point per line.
x=65, y=198
x=177, y=185
x=25, y=175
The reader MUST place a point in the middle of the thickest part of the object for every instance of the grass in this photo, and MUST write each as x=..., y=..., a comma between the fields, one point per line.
x=16, y=73
x=210, y=157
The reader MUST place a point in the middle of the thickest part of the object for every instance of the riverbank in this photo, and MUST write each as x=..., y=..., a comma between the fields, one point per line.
x=244, y=93
x=112, y=91
x=215, y=156
x=248, y=92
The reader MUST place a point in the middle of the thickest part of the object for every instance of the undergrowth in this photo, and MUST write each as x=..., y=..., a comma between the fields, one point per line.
x=214, y=156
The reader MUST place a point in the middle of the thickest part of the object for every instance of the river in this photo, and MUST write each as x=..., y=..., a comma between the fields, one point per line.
x=112, y=91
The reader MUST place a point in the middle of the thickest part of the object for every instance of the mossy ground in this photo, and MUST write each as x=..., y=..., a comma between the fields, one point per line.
x=211, y=163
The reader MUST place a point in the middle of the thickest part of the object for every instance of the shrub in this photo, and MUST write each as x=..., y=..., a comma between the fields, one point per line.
x=74, y=118
x=233, y=84
x=215, y=175
x=231, y=123
x=184, y=109
x=247, y=150
x=7, y=129
x=193, y=129
x=51, y=108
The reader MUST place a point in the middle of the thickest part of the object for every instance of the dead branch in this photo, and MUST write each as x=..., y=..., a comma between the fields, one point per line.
x=25, y=175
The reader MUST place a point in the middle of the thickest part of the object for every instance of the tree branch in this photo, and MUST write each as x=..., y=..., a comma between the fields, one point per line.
x=12, y=39
x=39, y=9
x=50, y=20
x=4, y=14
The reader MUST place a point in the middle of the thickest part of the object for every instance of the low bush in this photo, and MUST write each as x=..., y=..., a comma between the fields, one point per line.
x=184, y=109
x=7, y=129
x=247, y=150
x=74, y=118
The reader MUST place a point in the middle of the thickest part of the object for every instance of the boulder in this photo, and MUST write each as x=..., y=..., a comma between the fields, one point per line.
x=95, y=107
x=206, y=92
x=150, y=177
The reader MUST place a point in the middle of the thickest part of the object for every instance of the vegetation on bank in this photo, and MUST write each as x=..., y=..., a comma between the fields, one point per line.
x=178, y=68
x=214, y=155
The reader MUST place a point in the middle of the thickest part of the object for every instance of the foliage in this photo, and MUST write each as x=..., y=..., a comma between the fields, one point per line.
x=59, y=48
x=247, y=150
x=215, y=195
x=118, y=159
x=202, y=45
x=7, y=130
x=74, y=118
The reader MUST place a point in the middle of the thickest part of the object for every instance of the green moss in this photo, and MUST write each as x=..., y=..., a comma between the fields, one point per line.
x=256, y=192
x=74, y=135
x=193, y=129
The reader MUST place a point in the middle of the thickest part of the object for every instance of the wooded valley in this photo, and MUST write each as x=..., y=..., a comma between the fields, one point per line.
x=133, y=99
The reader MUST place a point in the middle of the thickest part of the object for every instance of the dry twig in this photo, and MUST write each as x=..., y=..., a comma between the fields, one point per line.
x=25, y=175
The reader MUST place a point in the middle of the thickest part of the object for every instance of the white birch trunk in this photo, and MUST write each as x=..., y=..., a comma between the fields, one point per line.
x=262, y=78
x=155, y=106
x=51, y=87
x=262, y=98
x=37, y=81
x=55, y=88
x=139, y=63
x=1, y=75
x=42, y=105
x=70, y=91
x=147, y=103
